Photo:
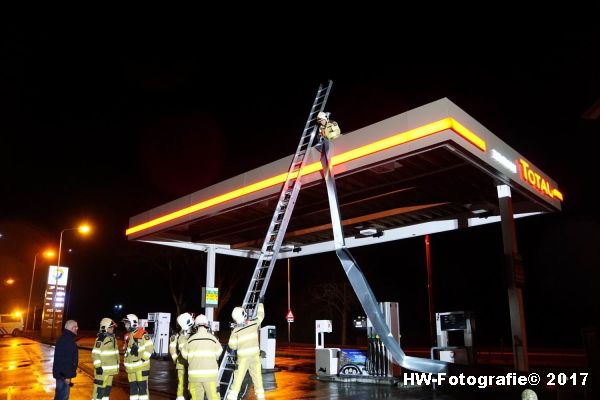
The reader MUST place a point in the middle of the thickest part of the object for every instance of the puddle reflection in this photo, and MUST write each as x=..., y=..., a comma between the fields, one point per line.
x=295, y=384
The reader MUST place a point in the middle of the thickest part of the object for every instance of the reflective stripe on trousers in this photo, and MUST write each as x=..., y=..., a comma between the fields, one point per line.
x=102, y=386
x=197, y=389
x=138, y=385
x=252, y=365
x=180, y=383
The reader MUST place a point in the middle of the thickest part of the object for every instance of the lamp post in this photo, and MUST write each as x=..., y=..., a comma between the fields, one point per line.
x=83, y=229
x=47, y=253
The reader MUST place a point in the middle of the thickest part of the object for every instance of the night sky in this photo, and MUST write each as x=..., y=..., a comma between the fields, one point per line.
x=100, y=124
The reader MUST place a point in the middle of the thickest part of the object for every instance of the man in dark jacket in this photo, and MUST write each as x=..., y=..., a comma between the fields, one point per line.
x=65, y=360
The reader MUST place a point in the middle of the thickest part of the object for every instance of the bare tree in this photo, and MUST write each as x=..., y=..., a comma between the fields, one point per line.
x=184, y=269
x=338, y=299
x=181, y=268
x=227, y=283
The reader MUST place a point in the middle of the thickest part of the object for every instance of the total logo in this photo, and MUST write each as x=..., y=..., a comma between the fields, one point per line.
x=538, y=181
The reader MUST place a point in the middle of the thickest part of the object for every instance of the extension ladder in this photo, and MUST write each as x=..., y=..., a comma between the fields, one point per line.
x=277, y=228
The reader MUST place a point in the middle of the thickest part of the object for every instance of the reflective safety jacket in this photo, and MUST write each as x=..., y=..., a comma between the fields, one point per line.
x=106, y=353
x=202, y=351
x=176, y=344
x=141, y=340
x=244, y=338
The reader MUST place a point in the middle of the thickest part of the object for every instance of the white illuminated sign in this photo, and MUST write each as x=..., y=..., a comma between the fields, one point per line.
x=505, y=162
x=58, y=275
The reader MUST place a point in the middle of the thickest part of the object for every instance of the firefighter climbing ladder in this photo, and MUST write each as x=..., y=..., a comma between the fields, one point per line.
x=277, y=228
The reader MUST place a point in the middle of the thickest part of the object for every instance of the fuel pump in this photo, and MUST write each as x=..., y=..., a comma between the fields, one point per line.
x=379, y=361
x=454, y=337
x=375, y=362
x=267, y=344
x=158, y=328
x=326, y=359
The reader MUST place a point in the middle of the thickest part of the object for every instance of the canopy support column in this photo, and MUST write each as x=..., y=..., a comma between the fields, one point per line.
x=514, y=279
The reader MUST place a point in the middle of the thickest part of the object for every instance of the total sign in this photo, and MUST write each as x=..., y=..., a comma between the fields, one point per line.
x=528, y=174
x=537, y=181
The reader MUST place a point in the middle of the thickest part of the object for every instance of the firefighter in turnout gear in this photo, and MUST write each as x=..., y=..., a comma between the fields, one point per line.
x=106, y=359
x=138, y=349
x=327, y=128
x=244, y=339
x=176, y=344
x=202, y=351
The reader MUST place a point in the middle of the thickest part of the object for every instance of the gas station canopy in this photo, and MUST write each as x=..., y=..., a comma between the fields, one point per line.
x=431, y=169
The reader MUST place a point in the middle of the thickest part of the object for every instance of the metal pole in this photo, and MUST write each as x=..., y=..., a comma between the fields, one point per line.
x=430, y=293
x=56, y=284
x=33, y=319
x=30, y=289
x=514, y=279
x=211, y=258
x=334, y=206
x=289, y=303
x=68, y=298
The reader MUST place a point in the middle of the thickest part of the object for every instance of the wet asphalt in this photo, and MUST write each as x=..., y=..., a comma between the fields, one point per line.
x=26, y=373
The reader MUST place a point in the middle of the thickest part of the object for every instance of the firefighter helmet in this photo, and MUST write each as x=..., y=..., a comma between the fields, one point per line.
x=322, y=115
x=201, y=320
x=132, y=321
x=239, y=315
x=106, y=323
x=185, y=321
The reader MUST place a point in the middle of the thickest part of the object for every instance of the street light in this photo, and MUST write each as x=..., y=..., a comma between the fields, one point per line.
x=84, y=229
x=9, y=281
x=47, y=254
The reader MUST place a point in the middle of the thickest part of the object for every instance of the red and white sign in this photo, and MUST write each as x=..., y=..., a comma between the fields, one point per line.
x=290, y=316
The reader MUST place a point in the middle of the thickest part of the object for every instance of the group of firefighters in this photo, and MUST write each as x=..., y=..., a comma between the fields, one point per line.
x=194, y=350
